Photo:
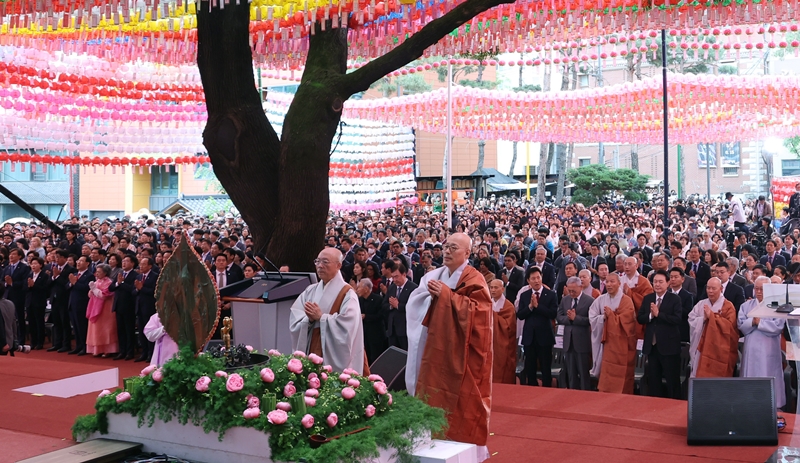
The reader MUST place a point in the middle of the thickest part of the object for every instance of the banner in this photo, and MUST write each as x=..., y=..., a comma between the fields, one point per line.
x=731, y=154
x=706, y=154
x=782, y=190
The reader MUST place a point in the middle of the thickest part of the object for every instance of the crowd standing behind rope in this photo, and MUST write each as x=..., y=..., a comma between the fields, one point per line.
x=95, y=285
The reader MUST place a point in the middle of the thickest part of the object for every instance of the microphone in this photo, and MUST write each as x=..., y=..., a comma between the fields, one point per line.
x=251, y=256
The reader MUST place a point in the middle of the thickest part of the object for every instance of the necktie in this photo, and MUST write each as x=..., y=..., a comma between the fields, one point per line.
x=770, y=259
x=602, y=287
x=694, y=268
x=594, y=261
x=536, y=295
x=574, y=304
x=124, y=275
x=220, y=280
x=658, y=303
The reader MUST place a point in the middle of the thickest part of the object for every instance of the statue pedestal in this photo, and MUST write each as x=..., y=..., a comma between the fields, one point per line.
x=247, y=445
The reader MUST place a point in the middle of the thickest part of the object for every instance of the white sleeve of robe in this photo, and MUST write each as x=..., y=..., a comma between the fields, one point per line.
x=299, y=325
x=696, y=325
x=761, y=356
x=416, y=308
x=597, y=322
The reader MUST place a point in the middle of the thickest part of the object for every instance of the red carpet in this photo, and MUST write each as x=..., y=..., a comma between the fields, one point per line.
x=563, y=425
x=527, y=424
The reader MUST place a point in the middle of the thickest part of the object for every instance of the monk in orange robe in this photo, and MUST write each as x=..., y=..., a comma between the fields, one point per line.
x=635, y=286
x=613, y=320
x=714, y=335
x=449, y=325
x=504, y=335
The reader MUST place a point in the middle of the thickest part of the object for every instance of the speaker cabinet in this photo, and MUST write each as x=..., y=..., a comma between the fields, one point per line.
x=732, y=411
x=391, y=366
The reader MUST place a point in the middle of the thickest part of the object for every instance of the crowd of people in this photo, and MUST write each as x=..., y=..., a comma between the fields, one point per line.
x=605, y=281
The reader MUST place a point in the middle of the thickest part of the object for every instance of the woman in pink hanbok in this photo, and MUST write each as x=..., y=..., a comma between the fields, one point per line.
x=101, y=339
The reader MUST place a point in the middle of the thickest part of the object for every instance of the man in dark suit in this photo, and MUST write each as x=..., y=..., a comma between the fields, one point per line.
x=124, y=307
x=538, y=306
x=573, y=314
x=548, y=270
x=38, y=289
x=394, y=304
x=371, y=306
x=676, y=286
x=78, y=301
x=697, y=269
x=145, y=294
x=59, y=302
x=513, y=276
x=486, y=223
x=661, y=313
x=15, y=278
x=594, y=260
x=599, y=283
x=647, y=251
x=772, y=258
x=731, y=291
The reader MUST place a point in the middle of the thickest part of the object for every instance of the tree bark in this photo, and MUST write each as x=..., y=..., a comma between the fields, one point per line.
x=514, y=159
x=280, y=186
x=561, y=149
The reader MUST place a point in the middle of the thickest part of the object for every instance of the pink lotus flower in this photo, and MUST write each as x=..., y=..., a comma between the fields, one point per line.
x=307, y=421
x=380, y=387
x=344, y=377
x=315, y=359
x=289, y=389
x=369, y=411
x=315, y=383
x=350, y=371
x=285, y=406
x=252, y=401
x=202, y=383
x=103, y=393
x=375, y=378
x=324, y=376
x=312, y=375
x=295, y=366
x=158, y=375
x=221, y=374
x=299, y=353
x=123, y=396
x=251, y=413
x=249, y=348
x=310, y=401
x=312, y=393
x=235, y=383
x=267, y=375
x=147, y=370
x=277, y=417
x=328, y=368
x=348, y=393
x=332, y=420
x=390, y=398
x=353, y=382
x=274, y=352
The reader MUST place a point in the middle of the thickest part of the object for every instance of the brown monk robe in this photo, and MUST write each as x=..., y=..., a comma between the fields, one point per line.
x=613, y=320
x=450, y=364
x=636, y=287
x=714, y=335
x=504, y=336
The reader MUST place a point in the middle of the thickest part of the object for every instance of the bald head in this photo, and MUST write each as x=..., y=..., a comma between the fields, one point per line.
x=631, y=266
x=714, y=289
x=456, y=251
x=328, y=263
x=496, y=288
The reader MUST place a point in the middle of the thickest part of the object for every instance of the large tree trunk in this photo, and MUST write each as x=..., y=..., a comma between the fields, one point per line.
x=280, y=186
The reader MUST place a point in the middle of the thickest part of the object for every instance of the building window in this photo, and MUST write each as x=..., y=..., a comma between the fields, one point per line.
x=790, y=167
x=730, y=171
x=164, y=181
x=584, y=80
x=17, y=175
x=584, y=162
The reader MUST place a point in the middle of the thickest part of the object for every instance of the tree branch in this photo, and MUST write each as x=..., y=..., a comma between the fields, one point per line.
x=414, y=46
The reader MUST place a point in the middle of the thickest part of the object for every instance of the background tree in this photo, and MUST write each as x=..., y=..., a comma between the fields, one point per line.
x=280, y=185
x=596, y=182
x=793, y=145
x=406, y=85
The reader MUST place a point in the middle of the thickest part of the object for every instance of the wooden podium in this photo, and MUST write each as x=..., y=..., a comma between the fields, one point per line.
x=260, y=308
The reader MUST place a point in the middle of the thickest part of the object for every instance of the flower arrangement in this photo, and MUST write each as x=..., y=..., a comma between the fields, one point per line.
x=291, y=397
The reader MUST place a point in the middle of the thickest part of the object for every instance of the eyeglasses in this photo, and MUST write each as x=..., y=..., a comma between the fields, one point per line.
x=322, y=262
x=450, y=247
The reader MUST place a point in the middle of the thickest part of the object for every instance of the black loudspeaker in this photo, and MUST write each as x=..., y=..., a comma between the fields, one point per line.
x=732, y=411
x=391, y=366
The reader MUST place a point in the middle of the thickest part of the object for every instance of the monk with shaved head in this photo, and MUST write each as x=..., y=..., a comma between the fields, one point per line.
x=326, y=317
x=714, y=334
x=449, y=324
